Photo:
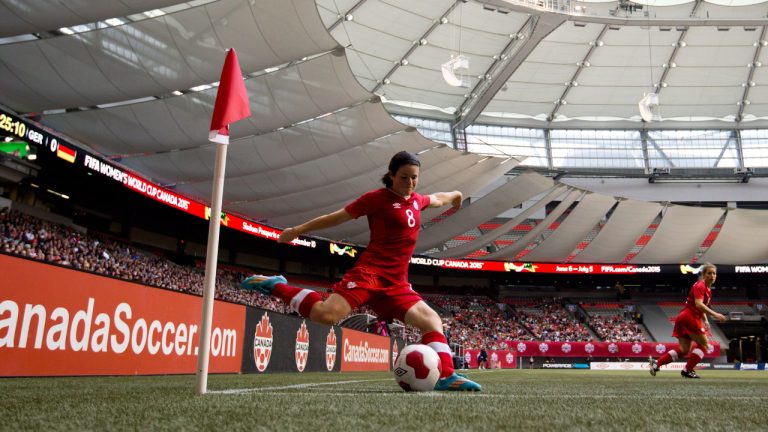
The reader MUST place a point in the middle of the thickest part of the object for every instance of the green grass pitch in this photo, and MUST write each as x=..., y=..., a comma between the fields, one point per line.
x=554, y=400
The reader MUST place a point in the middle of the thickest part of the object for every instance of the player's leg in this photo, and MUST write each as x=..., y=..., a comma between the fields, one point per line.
x=330, y=311
x=424, y=318
x=697, y=353
x=305, y=302
x=684, y=345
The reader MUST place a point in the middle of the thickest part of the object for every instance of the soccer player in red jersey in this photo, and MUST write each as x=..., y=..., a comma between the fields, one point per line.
x=691, y=325
x=379, y=278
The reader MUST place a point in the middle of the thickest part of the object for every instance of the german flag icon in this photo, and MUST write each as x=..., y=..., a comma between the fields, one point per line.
x=66, y=153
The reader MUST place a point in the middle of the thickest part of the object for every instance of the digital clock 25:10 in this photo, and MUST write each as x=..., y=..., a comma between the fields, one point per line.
x=16, y=127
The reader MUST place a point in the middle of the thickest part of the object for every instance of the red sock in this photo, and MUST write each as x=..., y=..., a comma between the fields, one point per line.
x=439, y=343
x=693, y=359
x=667, y=358
x=301, y=300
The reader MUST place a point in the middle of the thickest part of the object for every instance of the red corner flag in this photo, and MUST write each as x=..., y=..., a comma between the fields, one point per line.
x=231, y=100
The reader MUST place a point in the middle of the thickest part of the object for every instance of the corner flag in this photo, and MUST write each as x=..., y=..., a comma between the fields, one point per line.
x=231, y=100
x=231, y=105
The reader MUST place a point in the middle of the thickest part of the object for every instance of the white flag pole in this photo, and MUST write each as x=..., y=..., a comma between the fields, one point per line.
x=211, y=258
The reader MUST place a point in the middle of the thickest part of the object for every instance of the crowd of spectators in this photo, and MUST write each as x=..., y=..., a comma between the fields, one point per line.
x=476, y=322
x=30, y=237
x=548, y=320
x=615, y=328
x=471, y=321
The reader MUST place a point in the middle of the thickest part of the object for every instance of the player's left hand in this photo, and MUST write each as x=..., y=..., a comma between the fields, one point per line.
x=287, y=236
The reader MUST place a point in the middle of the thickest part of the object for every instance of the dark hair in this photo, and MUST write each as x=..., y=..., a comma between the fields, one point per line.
x=399, y=159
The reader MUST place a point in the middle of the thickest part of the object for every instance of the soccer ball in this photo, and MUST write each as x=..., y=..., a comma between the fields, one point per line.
x=417, y=368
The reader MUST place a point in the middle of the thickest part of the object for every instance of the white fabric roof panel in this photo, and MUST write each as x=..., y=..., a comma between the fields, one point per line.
x=312, y=175
x=509, y=252
x=469, y=180
x=319, y=193
x=637, y=37
x=279, y=99
x=717, y=56
x=541, y=73
x=32, y=16
x=614, y=241
x=390, y=47
x=559, y=245
x=677, y=239
x=733, y=8
x=383, y=18
x=353, y=189
x=573, y=35
x=308, y=141
x=482, y=241
x=413, y=77
x=557, y=53
x=153, y=57
x=499, y=200
x=741, y=238
x=474, y=43
x=735, y=37
x=716, y=77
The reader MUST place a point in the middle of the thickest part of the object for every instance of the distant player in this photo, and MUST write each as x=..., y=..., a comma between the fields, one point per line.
x=691, y=325
x=380, y=276
x=482, y=359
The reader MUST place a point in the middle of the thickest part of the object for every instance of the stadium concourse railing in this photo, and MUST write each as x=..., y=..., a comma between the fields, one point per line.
x=55, y=321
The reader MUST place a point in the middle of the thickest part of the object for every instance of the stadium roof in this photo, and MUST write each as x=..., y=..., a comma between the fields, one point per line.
x=135, y=82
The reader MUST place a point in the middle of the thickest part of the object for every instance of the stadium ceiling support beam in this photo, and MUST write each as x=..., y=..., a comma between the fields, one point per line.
x=548, y=148
x=739, y=147
x=500, y=61
x=574, y=78
x=644, y=139
x=750, y=77
x=343, y=17
x=417, y=43
x=538, y=26
x=731, y=139
x=661, y=152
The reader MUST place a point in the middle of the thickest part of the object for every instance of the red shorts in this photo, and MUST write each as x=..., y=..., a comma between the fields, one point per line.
x=362, y=286
x=687, y=324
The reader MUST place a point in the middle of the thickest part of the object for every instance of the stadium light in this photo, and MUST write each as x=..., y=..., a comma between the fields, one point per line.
x=450, y=67
x=649, y=107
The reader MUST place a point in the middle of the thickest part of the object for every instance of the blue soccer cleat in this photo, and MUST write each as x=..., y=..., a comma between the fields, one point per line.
x=457, y=382
x=262, y=284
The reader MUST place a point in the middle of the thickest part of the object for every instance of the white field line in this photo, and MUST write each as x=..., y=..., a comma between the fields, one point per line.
x=268, y=391
x=288, y=387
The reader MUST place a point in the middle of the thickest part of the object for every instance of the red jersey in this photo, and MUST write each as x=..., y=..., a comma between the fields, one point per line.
x=394, y=223
x=698, y=291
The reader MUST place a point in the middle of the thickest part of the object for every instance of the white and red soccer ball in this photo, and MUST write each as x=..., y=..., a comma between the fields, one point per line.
x=417, y=368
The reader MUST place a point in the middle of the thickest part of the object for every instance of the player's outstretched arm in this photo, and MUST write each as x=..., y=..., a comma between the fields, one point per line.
x=439, y=199
x=704, y=308
x=321, y=222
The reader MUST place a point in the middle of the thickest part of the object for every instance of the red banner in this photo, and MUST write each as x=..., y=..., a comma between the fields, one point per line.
x=55, y=321
x=364, y=351
x=503, y=359
x=599, y=349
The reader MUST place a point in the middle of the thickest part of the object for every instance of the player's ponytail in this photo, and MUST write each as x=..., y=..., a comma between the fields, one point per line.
x=398, y=160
